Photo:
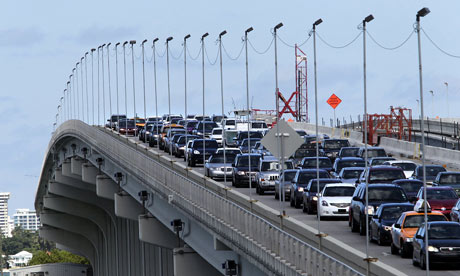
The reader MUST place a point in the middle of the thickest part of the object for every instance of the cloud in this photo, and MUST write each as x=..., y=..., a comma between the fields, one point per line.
x=20, y=37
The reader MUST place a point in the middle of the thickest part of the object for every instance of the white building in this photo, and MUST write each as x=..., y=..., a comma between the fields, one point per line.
x=26, y=219
x=20, y=259
x=4, y=213
x=58, y=269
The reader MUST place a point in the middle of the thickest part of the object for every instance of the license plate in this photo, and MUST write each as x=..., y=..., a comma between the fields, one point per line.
x=342, y=210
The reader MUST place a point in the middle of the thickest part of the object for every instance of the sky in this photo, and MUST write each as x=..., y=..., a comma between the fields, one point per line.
x=41, y=41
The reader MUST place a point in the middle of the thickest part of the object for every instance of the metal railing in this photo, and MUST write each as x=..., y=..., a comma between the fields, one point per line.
x=275, y=251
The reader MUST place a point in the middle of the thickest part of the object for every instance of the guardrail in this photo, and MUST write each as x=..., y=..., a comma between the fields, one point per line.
x=276, y=251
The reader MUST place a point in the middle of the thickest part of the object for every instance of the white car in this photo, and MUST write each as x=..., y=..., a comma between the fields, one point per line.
x=407, y=166
x=216, y=134
x=335, y=199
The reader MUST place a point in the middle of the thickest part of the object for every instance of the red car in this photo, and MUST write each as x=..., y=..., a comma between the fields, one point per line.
x=441, y=199
x=127, y=127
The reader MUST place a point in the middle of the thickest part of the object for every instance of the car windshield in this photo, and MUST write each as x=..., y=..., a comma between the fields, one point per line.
x=311, y=163
x=305, y=177
x=394, y=212
x=130, y=124
x=335, y=144
x=207, y=144
x=387, y=194
x=176, y=138
x=431, y=170
x=301, y=132
x=417, y=220
x=348, y=174
x=184, y=138
x=314, y=184
x=338, y=191
x=352, y=152
x=208, y=126
x=438, y=194
x=386, y=175
x=217, y=118
x=176, y=131
x=229, y=158
x=376, y=162
x=115, y=118
x=192, y=124
x=175, y=120
x=288, y=176
x=449, y=179
x=253, y=142
x=444, y=231
x=350, y=163
x=273, y=166
x=140, y=121
x=300, y=153
x=258, y=125
x=243, y=161
x=405, y=166
x=230, y=122
x=244, y=135
x=375, y=153
x=217, y=131
x=410, y=187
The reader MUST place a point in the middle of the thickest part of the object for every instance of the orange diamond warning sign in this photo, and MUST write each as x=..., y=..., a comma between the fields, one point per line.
x=334, y=101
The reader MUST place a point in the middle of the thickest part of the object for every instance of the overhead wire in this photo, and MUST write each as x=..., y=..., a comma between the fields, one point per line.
x=149, y=60
x=340, y=46
x=437, y=47
x=198, y=55
x=293, y=46
x=391, y=48
x=264, y=51
x=207, y=56
x=162, y=55
x=176, y=57
x=229, y=56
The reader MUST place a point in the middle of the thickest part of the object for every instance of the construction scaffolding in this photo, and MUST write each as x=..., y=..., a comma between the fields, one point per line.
x=397, y=124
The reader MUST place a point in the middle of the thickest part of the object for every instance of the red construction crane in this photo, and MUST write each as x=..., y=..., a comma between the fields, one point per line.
x=397, y=124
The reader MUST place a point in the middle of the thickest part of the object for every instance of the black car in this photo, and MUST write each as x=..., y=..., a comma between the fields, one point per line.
x=382, y=174
x=378, y=194
x=166, y=142
x=386, y=215
x=371, y=152
x=310, y=194
x=178, y=148
x=410, y=186
x=331, y=147
x=345, y=162
x=348, y=152
x=143, y=133
x=431, y=172
x=200, y=150
x=153, y=134
x=244, y=135
x=247, y=147
x=443, y=243
x=451, y=179
x=304, y=151
x=170, y=146
x=300, y=181
x=240, y=173
x=204, y=128
x=310, y=163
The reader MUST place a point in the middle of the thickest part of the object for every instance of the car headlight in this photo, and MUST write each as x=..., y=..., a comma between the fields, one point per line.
x=443, y=208
x=329, y=154
x=182, y=148
x=240, y=173
x=324, y=203
x=147, y=132
x=196, y=152
x=370, y=210
x=215, y=169
x=387, y=228
x=300, y=189
x=315, y=198
x=432, y=249
x=408, y=239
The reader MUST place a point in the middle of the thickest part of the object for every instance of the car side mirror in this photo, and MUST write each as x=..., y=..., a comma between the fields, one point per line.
x=375, y=216
x=397, y=225
x=455, y=209
x=418, y=237
x=356, y=198
x=292, y=181
x=413, y=199
x=233, y=164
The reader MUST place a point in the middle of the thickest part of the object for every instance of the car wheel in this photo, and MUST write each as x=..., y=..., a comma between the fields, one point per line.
x=192, y=163
x=379, y=238
x=414, y=260
x=422, y=262
x=296, y=203
x=309, y=208
x=404, y=250
x=354, y=225
x=277, y=195
x=394, y=250
x=362, y=227
x=261, y=191
x=370, y=235
x=292, y=201
x=304, y=208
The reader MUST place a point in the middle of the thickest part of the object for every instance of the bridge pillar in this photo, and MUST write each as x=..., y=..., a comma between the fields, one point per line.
x=89, y=173
x=188, y=263
x=152, y=231
x=75, y=241
x=67, y=169
x=75, y=165
x=79, y=226
x=127, y=207
x=106, y=187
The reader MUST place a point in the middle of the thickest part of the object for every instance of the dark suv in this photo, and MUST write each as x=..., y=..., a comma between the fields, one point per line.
x=195, y=153
x=378, y=194
x=300, y=182
x=331, y=147
x=372, y=152
x=240, y=172
x=382, y=174
x=244, y=135
x=310, y=163
x=451, y=179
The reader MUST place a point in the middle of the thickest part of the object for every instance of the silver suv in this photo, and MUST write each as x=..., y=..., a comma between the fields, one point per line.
x=269, y=173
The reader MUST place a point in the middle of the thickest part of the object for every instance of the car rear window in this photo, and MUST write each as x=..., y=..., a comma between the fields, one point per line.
x=387, y=194
x=431, y=170
x=405, y=166
x=347, y=174
x=311, y=163
x=305, y=177
x=449, y=179
x=375, y=153
x=335, y=144
x=410, y=187
x=435, y=194
x=386, y=175
x=417, y=220
x=349, y=152
x=394, y=212
x=444, y=231
x=350, y=163
x=339, y=191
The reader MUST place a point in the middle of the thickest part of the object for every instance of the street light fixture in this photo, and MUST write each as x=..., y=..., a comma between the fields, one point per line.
x=422, y=13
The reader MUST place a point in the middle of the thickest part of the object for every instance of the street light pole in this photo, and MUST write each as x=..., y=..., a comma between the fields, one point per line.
x=82, y=93
x=132, y=42
x=368, y=19
x=98, y=88
x=116, y=84
x=250, y=29
x=203, y=121
x=447, y=98
x=110, y=89
x=279, y=137
x=103, y=86
x=155, y=86
x=143, y=81
x=317, y=22
x=86, y=85
x=77, y=94
x=126, y=89
x=185, y=90
x=92, y=81
x=222, y=103
x=169, y=90
x=422, y=13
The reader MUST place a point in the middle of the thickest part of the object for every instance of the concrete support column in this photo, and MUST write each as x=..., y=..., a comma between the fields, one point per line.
x=89, y=173
x=127, y=207
x=75, y=165
x=188, y=263
x=152, y=231
x=106, y=187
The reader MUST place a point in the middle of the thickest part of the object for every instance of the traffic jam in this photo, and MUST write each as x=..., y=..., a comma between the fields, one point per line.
x=385, y=197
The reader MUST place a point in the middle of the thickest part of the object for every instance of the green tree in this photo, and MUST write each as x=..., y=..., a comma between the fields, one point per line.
x=56, y=256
